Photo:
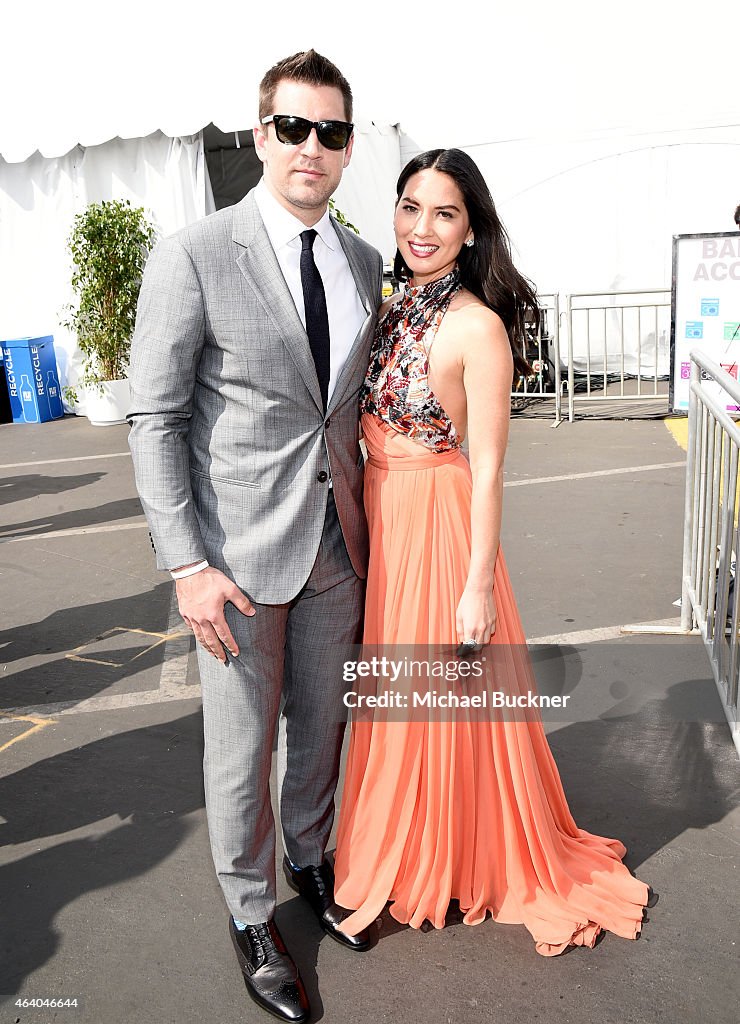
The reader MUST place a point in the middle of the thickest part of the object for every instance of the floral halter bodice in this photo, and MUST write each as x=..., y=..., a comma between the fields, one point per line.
x=396, y=387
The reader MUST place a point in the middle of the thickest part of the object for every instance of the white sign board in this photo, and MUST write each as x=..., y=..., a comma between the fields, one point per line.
x=705, y=309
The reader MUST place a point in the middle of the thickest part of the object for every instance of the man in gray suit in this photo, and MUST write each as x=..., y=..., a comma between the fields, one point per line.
x=252, y=341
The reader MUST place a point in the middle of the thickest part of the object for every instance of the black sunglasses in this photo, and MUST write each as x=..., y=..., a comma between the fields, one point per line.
x=292, y=131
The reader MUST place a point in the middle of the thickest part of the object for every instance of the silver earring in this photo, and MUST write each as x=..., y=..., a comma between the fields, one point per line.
x=469, y=242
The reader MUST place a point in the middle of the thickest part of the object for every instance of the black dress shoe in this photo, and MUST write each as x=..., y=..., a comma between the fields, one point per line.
x=316, y=885
x=270, y=975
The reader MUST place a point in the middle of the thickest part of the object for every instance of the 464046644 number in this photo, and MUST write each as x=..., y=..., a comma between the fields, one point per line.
x=49, y=1002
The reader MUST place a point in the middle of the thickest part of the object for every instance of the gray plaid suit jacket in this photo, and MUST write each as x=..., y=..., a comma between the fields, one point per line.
x=230, y=445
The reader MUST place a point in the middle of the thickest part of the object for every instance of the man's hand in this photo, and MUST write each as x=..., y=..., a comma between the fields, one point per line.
x=201, y=599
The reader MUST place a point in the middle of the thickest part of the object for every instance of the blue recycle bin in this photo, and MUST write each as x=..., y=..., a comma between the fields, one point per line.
x=33, y=379
x=5, y=414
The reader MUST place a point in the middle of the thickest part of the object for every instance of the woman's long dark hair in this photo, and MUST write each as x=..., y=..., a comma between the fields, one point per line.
x=486, y=267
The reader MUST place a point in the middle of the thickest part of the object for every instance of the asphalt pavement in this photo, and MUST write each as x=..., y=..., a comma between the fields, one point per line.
x=107, y=891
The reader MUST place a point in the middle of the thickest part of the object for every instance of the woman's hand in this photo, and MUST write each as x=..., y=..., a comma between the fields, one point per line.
x=476, y=616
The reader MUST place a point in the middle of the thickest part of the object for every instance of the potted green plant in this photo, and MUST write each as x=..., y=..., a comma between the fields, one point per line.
x=109, y=244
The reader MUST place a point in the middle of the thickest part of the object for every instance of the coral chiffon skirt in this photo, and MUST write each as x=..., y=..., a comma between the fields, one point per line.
x=464, y=810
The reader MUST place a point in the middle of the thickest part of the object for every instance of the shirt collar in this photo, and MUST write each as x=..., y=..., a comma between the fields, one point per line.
x=282, y=226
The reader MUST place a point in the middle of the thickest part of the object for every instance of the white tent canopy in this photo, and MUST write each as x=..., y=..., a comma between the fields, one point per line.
x=451, y=74
x=601, y=132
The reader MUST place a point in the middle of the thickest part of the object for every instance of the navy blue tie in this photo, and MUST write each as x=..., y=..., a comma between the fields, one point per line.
x=317, y=318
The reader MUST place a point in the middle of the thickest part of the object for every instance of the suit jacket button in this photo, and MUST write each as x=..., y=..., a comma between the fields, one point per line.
x=322, y=477
x=327, y=424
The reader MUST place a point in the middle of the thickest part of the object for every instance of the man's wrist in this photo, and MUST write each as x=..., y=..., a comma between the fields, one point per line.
x=188, y=570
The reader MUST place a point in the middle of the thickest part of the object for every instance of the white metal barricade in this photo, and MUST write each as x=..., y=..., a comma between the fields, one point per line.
x=711, y=533
x=618, y=346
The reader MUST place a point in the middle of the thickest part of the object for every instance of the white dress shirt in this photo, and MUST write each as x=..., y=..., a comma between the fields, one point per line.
x=343, y=304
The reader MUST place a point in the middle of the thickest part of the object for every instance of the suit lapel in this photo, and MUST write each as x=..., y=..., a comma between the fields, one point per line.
x=359, y=349
x=359, y=271
x=259, y=265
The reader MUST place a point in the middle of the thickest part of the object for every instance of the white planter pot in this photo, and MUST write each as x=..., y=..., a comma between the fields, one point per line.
x=110, y=406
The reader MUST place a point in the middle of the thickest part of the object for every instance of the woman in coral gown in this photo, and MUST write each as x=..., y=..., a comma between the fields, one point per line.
x=461, y=809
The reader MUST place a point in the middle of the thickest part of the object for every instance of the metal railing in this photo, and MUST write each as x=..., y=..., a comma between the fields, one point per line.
x=711, y=533
x=618, y=346
x=543, y=354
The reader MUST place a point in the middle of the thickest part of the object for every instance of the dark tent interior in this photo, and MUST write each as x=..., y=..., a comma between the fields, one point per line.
x=233, y=165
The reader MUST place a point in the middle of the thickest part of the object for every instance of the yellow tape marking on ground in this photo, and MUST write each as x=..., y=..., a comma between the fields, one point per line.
x=160, y=639
x=94, y=661
x=38, y=723
x=679, y=427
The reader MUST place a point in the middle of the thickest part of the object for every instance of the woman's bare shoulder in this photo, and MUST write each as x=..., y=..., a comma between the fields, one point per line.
x=474, y=320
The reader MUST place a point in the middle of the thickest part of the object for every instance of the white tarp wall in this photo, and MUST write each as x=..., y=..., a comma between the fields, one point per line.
x=366, y=195
x=598, y=213
x=40, y=196
x=38, y=201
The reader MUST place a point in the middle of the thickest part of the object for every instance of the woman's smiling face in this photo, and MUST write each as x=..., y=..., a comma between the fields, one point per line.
x=431, y=225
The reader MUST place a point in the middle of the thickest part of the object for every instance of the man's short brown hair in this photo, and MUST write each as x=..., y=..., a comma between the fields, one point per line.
x=309, y=67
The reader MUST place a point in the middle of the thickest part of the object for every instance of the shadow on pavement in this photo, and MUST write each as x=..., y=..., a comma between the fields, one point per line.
x=125, y=508
x=68, y=681
x=646, y=776
x=31, y=485
x=148, y=778
x=68, y=628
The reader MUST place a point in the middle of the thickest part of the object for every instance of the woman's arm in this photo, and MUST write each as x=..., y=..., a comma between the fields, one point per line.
x=487, y=374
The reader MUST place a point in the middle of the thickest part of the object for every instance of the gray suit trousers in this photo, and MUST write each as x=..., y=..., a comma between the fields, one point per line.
x=294, y=651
